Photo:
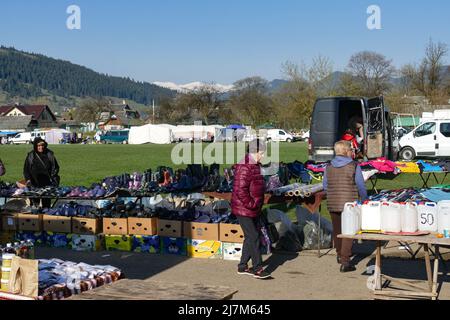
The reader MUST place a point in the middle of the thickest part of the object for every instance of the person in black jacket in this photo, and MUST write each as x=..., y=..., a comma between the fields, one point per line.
x=41, y=169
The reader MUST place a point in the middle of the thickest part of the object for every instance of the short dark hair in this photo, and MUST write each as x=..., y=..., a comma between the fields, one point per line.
x=256, y=145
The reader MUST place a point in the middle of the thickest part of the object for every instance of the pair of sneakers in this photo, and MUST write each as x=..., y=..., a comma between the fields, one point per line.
x=260, y=274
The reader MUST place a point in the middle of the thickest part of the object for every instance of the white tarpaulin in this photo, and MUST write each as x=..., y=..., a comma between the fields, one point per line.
x=150, y=134
x=195, y=132
x=54, y=136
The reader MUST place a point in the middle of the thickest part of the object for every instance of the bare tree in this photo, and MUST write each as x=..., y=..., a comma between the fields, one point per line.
x=250, y=102
x=372, y=71
x=294, y=101
x=90, y=110
x=428, y=77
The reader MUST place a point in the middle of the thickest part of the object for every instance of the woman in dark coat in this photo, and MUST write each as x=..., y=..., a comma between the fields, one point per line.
x=41, y=168
x=246, y=204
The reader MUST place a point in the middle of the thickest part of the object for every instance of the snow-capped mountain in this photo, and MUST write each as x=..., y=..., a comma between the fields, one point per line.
x=193, y=86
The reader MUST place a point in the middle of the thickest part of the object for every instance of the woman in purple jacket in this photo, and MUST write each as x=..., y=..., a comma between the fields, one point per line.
x=246, y=204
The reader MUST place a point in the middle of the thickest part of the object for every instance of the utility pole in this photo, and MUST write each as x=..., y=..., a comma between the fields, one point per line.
x=153, y=122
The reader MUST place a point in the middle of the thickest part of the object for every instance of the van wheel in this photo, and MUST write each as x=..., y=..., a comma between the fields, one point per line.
x=407, y=154
x=289, y=140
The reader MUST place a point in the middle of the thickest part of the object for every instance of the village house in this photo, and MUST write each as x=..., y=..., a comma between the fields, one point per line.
x=121, y=116
x=26, y=118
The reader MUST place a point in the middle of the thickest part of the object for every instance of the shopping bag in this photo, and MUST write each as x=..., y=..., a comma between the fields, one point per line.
x=271, y=229
x=24, y=277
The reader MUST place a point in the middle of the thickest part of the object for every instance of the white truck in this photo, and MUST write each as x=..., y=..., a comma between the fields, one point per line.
x=279, y=135
x=430, y=139
x=26, y=137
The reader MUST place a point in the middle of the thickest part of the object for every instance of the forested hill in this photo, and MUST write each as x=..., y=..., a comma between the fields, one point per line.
x=30, y=75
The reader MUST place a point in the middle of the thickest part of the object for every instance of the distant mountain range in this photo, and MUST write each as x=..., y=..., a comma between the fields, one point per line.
x=26, y=75
x=193, y=86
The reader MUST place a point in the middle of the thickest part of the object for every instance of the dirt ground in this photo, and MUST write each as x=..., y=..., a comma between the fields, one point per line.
x=301, y=276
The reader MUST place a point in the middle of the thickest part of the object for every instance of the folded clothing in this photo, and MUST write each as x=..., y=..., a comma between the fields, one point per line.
x=429, y=167
x=408, y=167
x=436, y=195
x=381, y=164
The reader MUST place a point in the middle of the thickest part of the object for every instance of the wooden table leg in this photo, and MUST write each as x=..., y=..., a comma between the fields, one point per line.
x=435, y=272
x=378, y=267
x=428, y=266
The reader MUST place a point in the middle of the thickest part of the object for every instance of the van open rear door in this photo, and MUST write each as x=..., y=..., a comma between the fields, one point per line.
x=376, y=128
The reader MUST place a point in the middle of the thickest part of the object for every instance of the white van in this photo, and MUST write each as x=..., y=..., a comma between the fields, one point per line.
x=430, y=139
x=26, y=137
x=279, y=135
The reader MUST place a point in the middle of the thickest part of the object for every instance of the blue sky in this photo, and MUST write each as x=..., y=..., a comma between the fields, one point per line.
x=219, y=41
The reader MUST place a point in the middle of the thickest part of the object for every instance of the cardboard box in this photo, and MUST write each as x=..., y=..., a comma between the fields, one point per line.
x=177, y=246
x=206, y=249
x=147, y=244
x=9, y=222
x=201, y=231
x=115, y=226
x=86, y=226
x=86, y=242
x=231, y=233
x=59, y=240
x=143, y=226
x=29, y=222
x=7, y=237
x=57, y=223
x=232, y=251
x=39, y=238
x=170, y=228
x=118, y=242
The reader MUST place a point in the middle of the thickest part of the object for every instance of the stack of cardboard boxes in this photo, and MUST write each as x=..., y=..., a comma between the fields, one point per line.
x=147, y=235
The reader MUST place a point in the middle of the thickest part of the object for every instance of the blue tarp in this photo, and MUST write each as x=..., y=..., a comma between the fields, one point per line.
x=8, y=133
x=235, y=127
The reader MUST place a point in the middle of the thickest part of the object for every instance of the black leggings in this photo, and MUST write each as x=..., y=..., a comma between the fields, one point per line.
x=251, y=247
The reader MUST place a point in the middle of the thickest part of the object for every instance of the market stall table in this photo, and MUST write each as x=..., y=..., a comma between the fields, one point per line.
x=424, y=176
x=432, y=275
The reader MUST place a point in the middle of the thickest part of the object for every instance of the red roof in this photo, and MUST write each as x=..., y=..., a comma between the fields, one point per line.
x=34, y=110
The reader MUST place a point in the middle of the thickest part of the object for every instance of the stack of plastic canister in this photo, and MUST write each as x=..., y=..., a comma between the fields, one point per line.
x=371, y=216
x=8, y=253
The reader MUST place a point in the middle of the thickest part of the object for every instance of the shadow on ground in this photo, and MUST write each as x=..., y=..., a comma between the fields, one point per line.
x=138, y=266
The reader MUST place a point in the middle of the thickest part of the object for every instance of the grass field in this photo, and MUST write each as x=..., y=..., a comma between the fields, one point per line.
x=86, y=164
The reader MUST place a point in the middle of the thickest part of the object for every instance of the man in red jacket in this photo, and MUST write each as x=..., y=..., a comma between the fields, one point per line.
x=246, y=203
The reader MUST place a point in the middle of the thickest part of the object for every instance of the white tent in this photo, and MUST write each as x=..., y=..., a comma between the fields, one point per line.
x=54, y=136
x=150, y=134
x=195, y=132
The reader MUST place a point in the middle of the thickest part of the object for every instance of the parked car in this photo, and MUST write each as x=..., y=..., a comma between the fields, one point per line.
x=330, y=120
x=279, y=135
x=430, y=139
x=27, y=137
x=115, y=136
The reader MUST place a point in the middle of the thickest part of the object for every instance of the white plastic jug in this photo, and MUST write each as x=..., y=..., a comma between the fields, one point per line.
x=349, y=221
x=409, y=217
x=358, y=211
x=443, y=216
x=371, y=216
x=391, y=217
x=427, y=217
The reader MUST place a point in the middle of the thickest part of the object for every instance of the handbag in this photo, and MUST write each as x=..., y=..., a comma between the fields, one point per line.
x=271, y=229
x=24, y=277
